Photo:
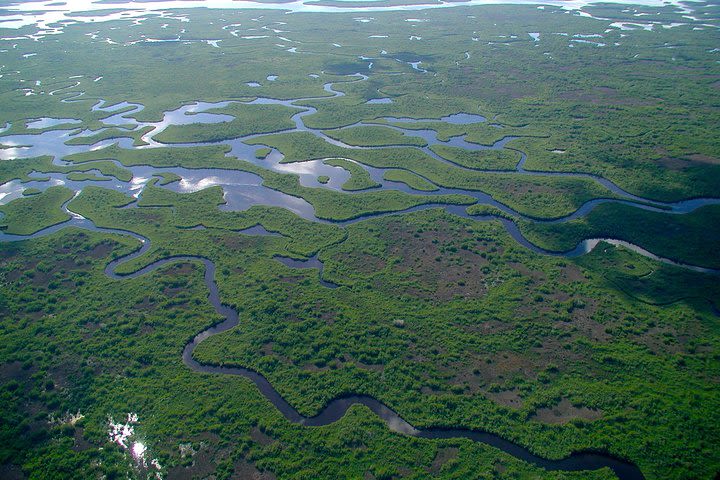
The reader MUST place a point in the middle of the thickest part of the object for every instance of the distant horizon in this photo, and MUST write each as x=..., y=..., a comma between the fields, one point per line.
x=49, y=12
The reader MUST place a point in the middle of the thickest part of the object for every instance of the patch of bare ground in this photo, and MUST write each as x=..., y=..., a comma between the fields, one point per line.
x=203, y=453
x=15, y=274
x=292, y=278
x=180, y=269
x=592, y=329
x=145, y=305
x=245, y=470
x=311, y=367
x=535, y=309
x=501, y=366
x=172, y=292
x=559, y=296
x=604, y=96
x=100, y=250
x=442, y=456
x=413, y=354
x=43, y=278
x=13, y=371
x=8, y=471
x=536, y=275
x=63, y=372
x=260, y=437
x=564, y=412
x=508, y=398
x=349, y=359
x=493, y=86
x=80, y=442
x=239, y=242
x=362, y=262
x=571, y=273
x=550, y=351
x=656, y=340
x=664, y=340
x=202, y=466
x=479, y=372
x=582, y=320
x=433, y=263
x=146, y=329
x=487, y=327
x=342, y=362
x=329, y=317
x=674, y=164
x=700, y=158
x=526, y=188
x=268, y=349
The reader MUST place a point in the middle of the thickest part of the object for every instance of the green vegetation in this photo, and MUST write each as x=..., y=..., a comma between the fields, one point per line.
x=551, y=92
x=106, y=355
x=81, y=177
x=249, y=119
x=463, y=358
x=262, y=153
x=27, y=215
x=323, y=179
x=170, y=214
x=328, y=204
x=374, y=136
x=19, y=169
x=359, y=177
x=480, y=159
x=191, y=157
x=692, y=238
x=167, y=177
x=447, y=320
x=480, y=133
x=485, y=210
x=409, y=179
x=608, y=334
x=538, y=197
x=112, y=133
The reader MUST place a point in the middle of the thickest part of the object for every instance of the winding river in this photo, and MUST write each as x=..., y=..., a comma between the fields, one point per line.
x=243, y=190
x=336, y=408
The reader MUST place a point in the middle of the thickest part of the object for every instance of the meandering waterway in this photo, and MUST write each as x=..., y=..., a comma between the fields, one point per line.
x=243, y=190
x=336, y=408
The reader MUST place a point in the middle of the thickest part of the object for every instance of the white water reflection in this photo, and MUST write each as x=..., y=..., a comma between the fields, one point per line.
x=124, y=435
x=138, y=183
x=379, y=101
x=200, y=180
x=242, y=190
x=597, y=44
x=46, y=122
x=589, y=245
x=47, y=15
x=456, y=118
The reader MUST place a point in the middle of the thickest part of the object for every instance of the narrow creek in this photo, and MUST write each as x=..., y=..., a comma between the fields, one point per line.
x=243, y=190
x=336, y=408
